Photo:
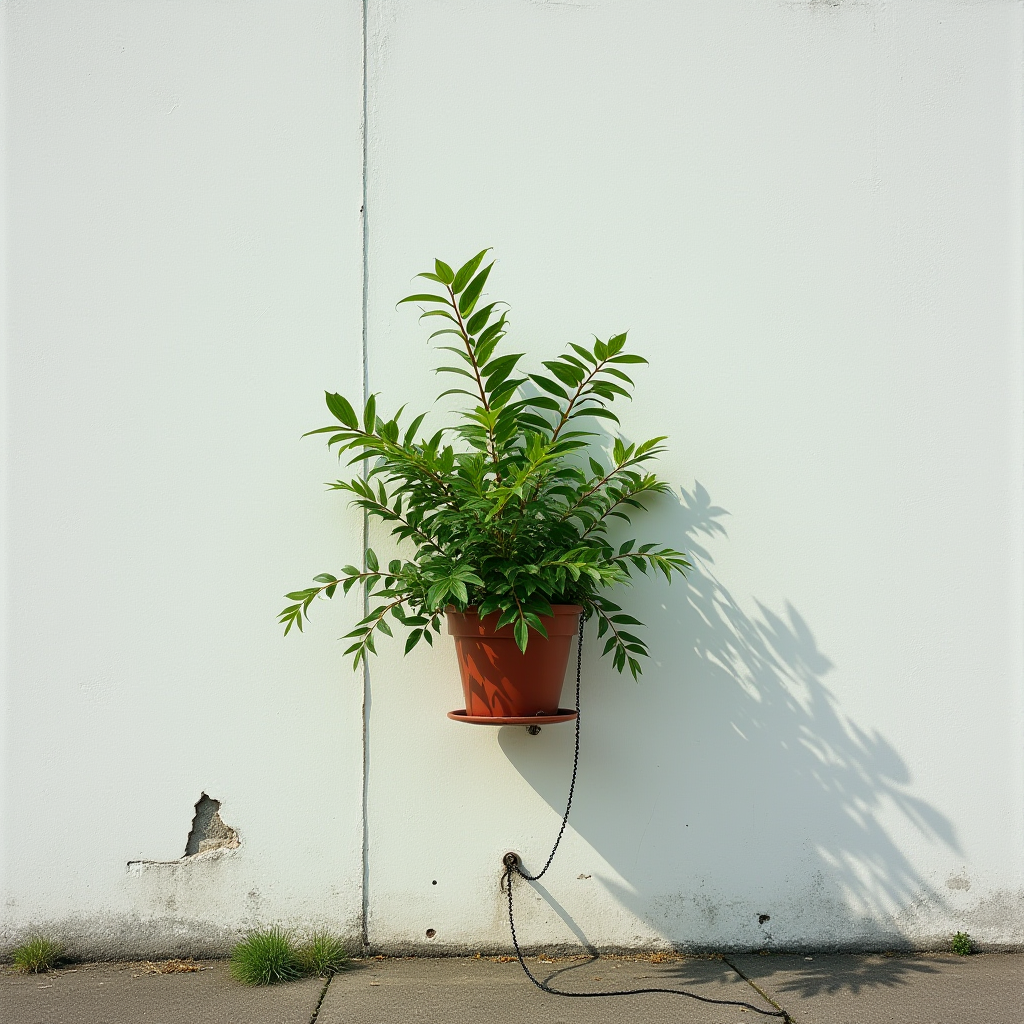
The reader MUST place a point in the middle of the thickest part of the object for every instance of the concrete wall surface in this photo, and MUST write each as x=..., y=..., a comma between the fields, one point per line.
x=808, y=216
x=184, y=251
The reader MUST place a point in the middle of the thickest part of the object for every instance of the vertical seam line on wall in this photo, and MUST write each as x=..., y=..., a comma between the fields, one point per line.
x=364, y=911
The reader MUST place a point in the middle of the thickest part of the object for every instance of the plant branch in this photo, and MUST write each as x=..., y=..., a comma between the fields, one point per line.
x=583, y=497
x=394, y=516
x=572, y=401
x=492, y=447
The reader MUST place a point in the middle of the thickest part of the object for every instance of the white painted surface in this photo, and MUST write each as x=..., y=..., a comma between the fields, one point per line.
x=184, y=250
x=808, y=216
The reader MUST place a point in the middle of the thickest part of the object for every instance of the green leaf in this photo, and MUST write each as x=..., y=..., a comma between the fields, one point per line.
x=534, y=620
x=498, y=369
x=549, y=385
x=439, y=312
x=615, y=373
x=444, y=272
x=455, y=369
x=489, y=336
x=477, y=321
x=425, y=297
x=567, y=374
x=370, y=414
x=542, y=402
x=341, y=410
x=467, y=270
x=371, y=560
x=583, y=352
x=521, y=633
x=594, y=410
x=504, y=391
x=410, y=434
x=413, y=639
x=507, y=617
x=467, y=300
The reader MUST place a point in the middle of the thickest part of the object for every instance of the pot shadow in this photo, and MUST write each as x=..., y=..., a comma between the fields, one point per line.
x=734, y=803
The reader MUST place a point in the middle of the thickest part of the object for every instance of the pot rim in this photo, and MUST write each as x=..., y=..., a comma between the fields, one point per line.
x=557, y=609
x=470, y=626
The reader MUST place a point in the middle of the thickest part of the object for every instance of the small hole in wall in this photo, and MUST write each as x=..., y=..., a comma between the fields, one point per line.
x=762, y=918
x=431, y=933
x=434, y=882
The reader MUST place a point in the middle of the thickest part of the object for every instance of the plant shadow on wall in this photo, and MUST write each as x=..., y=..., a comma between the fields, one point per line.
x=735, y=802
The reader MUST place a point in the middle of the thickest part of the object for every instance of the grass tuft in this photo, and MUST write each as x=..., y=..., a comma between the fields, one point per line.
x=323, y=954
x=265, y=957
x=37, y=956
x=962, y=944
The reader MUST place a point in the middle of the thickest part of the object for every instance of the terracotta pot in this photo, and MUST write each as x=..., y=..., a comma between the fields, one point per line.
x=498, y=679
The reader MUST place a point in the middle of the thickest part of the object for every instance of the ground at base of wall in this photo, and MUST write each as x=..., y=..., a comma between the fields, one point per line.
x=839, y=988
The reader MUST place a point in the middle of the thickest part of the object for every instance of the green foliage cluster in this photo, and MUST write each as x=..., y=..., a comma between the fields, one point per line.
x=265, y=957
x=509, y=509
x=322, y=954
x=269, y=955
x=37, y=956
x=962, y=944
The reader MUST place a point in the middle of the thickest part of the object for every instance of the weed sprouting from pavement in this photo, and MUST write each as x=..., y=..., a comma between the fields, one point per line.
x=322, y=954
x=37, y=956
x=265, y=957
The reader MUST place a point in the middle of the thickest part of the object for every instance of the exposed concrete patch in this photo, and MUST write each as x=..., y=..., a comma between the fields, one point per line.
x=209, y=834
x=208, y=829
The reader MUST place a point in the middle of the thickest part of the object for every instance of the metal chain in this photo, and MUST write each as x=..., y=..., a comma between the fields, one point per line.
x=575, y=766
x=514, y=866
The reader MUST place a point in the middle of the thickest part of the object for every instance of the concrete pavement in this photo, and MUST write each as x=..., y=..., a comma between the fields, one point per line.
x=823, y=989
x=471, y=991
x=929, y=988
x=124, y=994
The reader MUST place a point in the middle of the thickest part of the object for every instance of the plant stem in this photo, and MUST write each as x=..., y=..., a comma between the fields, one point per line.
x=492, y=448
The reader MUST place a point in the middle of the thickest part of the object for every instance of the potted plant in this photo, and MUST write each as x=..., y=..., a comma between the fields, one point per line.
x=504, y=513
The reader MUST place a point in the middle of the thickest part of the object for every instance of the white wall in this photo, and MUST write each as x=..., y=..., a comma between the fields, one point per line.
x=808, y=216
x=184, y=253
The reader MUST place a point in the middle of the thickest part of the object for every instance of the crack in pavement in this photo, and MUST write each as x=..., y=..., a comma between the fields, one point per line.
x=320, y=1001
x=764, y=995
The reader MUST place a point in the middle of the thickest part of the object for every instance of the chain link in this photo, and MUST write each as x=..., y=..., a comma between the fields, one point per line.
x=514, y=866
